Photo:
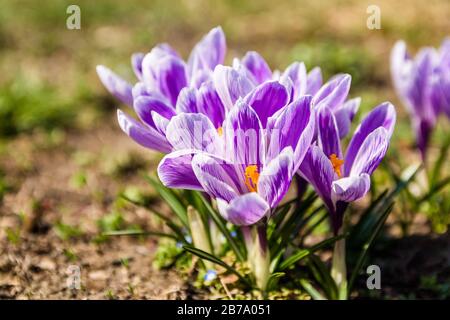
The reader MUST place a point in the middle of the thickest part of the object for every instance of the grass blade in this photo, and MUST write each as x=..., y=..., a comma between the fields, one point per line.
x=223, y=228
x=172, y=200
x=306, y=252
x=204, y=255
x=139, y=233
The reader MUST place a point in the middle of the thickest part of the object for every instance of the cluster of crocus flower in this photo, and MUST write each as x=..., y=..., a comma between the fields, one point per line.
x=423, y=85
x=241, y=133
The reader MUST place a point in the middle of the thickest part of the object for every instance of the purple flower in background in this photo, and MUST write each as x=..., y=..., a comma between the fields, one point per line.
x=247, y=169
x=167, y=86
x=338, y=178
x=423, y=85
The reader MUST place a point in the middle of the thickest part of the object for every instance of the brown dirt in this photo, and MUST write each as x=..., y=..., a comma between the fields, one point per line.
x=40, y=175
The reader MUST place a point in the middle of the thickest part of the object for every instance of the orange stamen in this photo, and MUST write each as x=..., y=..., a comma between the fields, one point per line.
x=336, y=163
x=220, y=131
x=251, y=177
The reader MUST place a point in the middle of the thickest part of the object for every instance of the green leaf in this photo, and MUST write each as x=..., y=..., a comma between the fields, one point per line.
x=316, y=295
x=205, y=255
x=291, y=224
x=176, y=229
x=273, y=279
x=440, y=161
x=300, y=254
x=172, y=200
x=375, y=232
x=323, y=276
x=138, y=233
x=223, y=228
x=436, y=187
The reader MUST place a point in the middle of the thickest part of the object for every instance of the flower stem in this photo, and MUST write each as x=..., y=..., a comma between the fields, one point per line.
x=339, y=268
x=258, y=255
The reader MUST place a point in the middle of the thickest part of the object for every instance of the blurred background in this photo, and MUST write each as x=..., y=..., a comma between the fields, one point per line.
x=63, y=159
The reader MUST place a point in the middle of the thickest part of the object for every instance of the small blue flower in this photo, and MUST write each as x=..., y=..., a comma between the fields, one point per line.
x=188, y=239
x=179, y=245
x=233, y=233
x=210, y=275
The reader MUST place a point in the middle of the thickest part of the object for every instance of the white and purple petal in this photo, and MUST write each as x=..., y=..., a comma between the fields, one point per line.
x=208, y=52
x=266, y=99
x=193, y=131
x=145, y=136
x=244, y=210
x=349, y=189
x=370, y=153
x=334, y=92
x=276, y=177
x=175, y=171
x=292, y=126
x=257, y=66
x=345, y=114
x=328, y=134
x=117, y=86
x=384, y=116
x=244, y=136
x=231, y=85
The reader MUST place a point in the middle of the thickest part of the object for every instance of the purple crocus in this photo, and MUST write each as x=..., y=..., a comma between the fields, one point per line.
x=247, y=169
x=423, y=85
x=167, y=86
x=340, y=179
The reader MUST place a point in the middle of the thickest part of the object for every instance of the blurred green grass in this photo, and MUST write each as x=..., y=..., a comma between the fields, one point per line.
x=48, y=75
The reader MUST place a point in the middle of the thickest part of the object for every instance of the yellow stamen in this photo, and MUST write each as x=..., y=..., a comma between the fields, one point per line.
x=220, y=131
x=336, y=163
x=251, y=177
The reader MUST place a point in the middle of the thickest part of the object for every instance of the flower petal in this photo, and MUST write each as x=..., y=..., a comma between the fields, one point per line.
x=175, y=171
x=209, y=52
x=166, y=74
x=314, y=81
x=297, y=73
x=244, y=136
x=187, y=101
x=316, y=168
x=292, y=126
x=231, y=85
x=244, y=210
x=193, y=131
x=276, y=177
x=371, y=152
x=383, y=115
x=266, y=99
x=328, y=135
x=257, y=66
x=209, y=103
x=145, y=136
x=160, y=122
x=136, y=63
x=118, y=87
x=352, y=188
x=345, y=114
x=144, y=105
x=334, y=92
x=216, y=176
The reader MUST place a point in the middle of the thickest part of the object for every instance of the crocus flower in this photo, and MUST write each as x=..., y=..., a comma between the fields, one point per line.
x=167, y=86
x=252, y=69
x=423, y=85
x=340, y=179
x=247, y=169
